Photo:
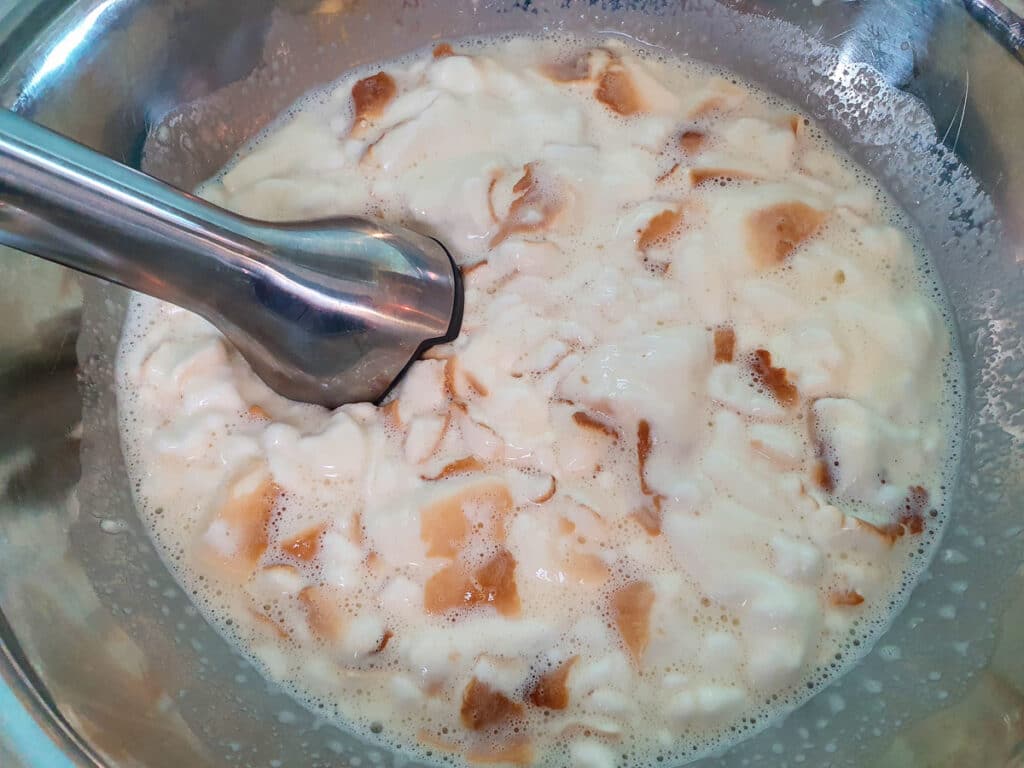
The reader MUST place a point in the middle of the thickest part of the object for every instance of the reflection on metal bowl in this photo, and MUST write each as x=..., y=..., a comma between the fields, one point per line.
x=107, y=660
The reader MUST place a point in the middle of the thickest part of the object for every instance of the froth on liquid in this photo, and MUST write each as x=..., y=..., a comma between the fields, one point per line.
x=689, y=445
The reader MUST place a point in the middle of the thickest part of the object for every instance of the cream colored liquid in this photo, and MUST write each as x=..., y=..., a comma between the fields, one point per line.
x=692, y=435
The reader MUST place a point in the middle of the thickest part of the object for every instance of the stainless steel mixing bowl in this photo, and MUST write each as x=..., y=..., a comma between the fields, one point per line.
x=103, y=661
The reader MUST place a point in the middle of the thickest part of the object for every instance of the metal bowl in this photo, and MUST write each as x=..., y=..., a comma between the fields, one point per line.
x=103, y=660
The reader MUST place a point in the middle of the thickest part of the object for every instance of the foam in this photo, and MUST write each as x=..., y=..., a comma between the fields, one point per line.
x=361, y=704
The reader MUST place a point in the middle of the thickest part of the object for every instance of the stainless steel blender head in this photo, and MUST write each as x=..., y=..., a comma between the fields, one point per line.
x=329, y=311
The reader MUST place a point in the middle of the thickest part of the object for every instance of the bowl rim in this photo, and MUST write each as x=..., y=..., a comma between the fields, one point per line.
x=31, y=726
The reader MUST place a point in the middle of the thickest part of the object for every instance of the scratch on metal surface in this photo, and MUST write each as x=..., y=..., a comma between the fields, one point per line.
x=846, y=31
x=962, y=110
